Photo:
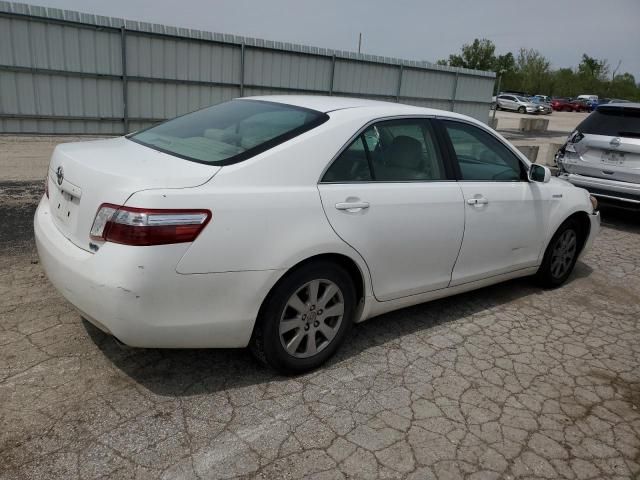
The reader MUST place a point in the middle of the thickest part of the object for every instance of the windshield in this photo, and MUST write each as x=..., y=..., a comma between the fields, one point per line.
x=229, y=132
x=523, y=99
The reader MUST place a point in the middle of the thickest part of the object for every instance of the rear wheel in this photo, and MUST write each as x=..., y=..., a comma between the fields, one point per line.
x=522, y=110
x=305, y=318
x=561, y=255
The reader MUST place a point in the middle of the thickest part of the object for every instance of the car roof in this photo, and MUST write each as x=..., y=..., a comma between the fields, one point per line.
x=329, y=104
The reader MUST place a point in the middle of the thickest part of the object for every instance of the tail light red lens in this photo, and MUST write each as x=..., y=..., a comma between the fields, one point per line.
x=144, y=226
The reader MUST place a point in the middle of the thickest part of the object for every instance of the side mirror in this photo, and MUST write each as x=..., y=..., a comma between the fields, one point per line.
x=539, y=173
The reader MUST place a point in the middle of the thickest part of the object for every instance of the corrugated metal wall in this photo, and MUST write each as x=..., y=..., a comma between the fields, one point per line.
x=68, y=72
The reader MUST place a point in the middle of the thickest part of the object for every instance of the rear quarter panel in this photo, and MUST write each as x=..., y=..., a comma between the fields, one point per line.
x=266, y=211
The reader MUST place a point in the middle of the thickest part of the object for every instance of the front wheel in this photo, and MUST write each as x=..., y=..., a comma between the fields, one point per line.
x=561, y=256
x=305, y=318
x=522, y=110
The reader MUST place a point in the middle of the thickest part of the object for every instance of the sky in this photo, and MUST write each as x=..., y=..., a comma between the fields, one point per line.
x=562, y=30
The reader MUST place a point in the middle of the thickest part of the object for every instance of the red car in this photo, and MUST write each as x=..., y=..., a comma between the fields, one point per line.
x=568, y=105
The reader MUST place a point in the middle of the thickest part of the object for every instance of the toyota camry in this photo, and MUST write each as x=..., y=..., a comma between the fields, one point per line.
x=278, y=222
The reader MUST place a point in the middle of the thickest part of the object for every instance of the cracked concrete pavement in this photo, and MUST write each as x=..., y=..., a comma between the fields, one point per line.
x=507, y=382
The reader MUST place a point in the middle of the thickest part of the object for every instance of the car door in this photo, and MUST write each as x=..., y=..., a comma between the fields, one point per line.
x=391, y=196
x=505, y=214
x=510, y=102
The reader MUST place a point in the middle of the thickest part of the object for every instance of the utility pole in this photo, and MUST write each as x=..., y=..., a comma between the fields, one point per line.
x=495, y=108
x=359, y=42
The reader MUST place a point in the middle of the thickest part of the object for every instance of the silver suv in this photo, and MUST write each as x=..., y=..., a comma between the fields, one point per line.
x=517, y=103
x=603, y=154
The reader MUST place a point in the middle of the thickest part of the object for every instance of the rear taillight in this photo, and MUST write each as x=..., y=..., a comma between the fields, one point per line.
x=147, y=226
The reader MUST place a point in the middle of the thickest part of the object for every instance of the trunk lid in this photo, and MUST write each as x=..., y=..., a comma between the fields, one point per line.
x=84, y=175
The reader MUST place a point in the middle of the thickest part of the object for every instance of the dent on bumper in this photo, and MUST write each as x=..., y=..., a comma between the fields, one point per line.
x=135, y=293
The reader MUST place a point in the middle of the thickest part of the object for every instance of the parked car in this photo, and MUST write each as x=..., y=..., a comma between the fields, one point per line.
x=543, y=98
x=277, y=222
x=603, y=154
x=588, y=98
x=546, y=107
x=517, y=103
x=569, y=105
x=593, y=103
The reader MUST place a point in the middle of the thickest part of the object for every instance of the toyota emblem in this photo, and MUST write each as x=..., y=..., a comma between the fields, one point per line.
x=60, y=175
x=615, y=142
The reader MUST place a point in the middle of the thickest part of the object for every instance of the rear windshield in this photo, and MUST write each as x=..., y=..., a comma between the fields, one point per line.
x=229, y=132
x=613, y=122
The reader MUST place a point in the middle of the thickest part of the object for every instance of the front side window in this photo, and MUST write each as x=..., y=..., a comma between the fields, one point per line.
x=394, y=151
x=229, y=132
x=481, y=156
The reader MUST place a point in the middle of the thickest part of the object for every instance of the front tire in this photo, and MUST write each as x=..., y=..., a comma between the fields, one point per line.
x=305, y=318
x=522, y=110
x=561, y=255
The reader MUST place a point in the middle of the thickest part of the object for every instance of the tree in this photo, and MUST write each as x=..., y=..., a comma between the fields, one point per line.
x=479, y=55
x=505, y=63
x=623, y=86
x=593, y=68
x=534, y=71
x=564, y=83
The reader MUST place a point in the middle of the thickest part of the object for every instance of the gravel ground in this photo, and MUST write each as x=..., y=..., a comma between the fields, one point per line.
x=507, y=382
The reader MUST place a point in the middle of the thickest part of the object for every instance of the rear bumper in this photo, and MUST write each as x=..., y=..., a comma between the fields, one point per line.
x=606, y=189
x=135, y=293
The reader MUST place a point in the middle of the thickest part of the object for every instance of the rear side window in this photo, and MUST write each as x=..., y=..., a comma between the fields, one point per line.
x=229, y=132
x=390, y=151
x=613, y=122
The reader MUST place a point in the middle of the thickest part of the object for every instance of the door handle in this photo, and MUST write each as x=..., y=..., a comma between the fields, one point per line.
x=477, y=201
x=352, y=206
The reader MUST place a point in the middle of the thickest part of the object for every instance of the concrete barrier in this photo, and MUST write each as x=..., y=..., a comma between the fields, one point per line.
x=533, y=124
x=530, y=151
x=493, y=123
x=548, y=156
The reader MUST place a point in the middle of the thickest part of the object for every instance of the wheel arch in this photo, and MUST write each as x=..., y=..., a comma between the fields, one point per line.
x=584, y=224
x=353, y=269
x=582, y=219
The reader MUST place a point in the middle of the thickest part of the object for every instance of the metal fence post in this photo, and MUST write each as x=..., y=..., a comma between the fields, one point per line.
x=333, y=71
x=399, y=83
x=242, y=69
x=454, y=93
x=125, y=89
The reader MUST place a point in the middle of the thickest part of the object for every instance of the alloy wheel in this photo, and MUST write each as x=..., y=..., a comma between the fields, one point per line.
x=563, y=254
x=311, y=318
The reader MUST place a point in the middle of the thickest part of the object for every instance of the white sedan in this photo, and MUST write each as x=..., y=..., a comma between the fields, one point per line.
x=277, y=222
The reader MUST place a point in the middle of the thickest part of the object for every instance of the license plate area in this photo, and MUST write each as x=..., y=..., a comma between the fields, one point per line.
x=612, y=158
x=65, y=207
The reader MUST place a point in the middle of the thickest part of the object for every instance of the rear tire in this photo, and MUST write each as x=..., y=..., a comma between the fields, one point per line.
x=295, y=331
x=561, y=255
